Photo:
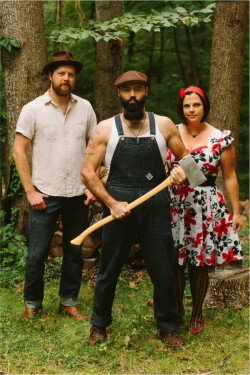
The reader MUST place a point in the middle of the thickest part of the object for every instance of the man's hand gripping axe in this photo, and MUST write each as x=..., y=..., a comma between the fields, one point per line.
x=194, y=175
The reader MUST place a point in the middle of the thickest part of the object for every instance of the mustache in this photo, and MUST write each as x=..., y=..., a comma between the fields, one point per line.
x=132, y=103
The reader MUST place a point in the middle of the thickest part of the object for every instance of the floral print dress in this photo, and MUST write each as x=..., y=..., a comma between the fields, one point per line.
x=201, y=223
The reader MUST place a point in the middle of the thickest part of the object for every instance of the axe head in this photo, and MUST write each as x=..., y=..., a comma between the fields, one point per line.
x=193, y=172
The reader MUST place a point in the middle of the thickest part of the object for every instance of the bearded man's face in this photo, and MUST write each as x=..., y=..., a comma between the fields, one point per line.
x=63, y=80
x=133, y=98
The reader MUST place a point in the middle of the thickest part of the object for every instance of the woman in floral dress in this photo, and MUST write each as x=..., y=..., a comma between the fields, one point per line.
x=204, y=232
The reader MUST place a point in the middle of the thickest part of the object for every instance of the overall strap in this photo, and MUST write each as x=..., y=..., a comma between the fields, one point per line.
x=118, y=124
x=151, y=117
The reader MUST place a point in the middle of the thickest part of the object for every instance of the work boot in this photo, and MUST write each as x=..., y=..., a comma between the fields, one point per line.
x=97, y=334
x=72, y=311
x=31, y=313
x=171, y=339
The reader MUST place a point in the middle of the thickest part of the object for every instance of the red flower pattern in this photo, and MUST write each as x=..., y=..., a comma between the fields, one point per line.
x=207, y=232
x=183, y=190
x=212, y=170
x=211, y=261
x=189, y=219
x=221, y=198
x=200, y=258
x=221, y=227
x=229, y=256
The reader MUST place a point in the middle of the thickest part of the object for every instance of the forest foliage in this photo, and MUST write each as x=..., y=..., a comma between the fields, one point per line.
x=170, y=41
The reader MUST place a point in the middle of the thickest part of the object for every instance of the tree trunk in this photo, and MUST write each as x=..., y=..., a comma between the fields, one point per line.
x=228, y=288
x=178, y=55
x=150, y=71
x=109, y=63
x=22, y=68
x=227, y=57
x=59, y=6
x=194, y=71
x=80, y=13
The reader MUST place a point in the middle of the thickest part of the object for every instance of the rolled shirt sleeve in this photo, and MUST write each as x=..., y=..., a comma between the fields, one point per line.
x=91, y=123
x=26, y=122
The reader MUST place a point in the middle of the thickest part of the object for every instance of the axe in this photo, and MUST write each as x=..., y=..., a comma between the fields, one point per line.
x=193, y=173
x=78, y=240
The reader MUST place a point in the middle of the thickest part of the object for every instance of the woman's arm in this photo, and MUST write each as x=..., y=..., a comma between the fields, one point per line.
x=231, y=184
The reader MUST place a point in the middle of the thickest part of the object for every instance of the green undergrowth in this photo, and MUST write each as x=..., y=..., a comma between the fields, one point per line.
x=55, y=344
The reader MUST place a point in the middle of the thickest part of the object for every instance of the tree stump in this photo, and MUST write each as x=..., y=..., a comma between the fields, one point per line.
x=228, y=288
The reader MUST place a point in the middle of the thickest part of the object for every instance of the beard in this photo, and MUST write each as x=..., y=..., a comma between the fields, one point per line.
x=62, y=90
x=133, y=111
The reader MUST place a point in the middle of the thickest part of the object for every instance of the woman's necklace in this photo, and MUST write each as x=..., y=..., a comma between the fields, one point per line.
x=136, y=135
x=194, y=135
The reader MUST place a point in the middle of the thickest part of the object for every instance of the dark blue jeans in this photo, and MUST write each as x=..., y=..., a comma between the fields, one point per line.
x=41, y=226
x=151, y=221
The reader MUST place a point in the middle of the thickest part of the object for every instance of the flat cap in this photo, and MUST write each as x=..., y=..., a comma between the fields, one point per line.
x=131, y=76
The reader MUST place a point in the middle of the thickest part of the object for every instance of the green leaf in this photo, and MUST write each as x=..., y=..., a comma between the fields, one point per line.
x=5, y=42
x=181, y=10
x=208, y=19
x=135, y=28
x=206, y=10
x=147, y=27
x=14, y=43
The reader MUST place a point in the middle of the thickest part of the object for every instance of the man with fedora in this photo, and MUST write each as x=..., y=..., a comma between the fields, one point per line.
x=133, y=147
x=57, y=126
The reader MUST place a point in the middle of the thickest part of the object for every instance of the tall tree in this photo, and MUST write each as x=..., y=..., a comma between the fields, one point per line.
x=22, y=69
x=227, y=58
x=109, y=62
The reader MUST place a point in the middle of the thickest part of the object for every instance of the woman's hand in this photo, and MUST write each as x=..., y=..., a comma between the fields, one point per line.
x=237, y=223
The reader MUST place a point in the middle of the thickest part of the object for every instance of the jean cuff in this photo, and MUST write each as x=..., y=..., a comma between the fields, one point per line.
x=68, y=301
x=32, y=304
x=98, y=321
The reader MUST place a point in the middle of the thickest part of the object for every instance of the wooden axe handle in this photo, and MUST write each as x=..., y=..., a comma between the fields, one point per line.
x=78, y=240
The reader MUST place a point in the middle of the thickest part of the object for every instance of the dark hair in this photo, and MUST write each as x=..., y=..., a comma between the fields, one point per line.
x=205, y=102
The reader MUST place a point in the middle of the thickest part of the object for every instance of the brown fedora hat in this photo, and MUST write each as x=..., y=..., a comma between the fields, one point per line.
x=61, y=58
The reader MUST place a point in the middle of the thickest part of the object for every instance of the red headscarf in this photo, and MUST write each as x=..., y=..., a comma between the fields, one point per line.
x=199, y=91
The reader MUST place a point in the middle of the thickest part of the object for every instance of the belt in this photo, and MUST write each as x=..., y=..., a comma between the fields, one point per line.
x=210, y=181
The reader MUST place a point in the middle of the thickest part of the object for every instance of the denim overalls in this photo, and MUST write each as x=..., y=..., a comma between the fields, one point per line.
x=136, y=168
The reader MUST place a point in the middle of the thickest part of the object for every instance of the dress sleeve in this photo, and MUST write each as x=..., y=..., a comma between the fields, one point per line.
x=169, y=160
x=226, y=139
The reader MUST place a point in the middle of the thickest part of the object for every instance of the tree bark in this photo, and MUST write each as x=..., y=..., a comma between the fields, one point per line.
x=109, y=63
x=228, y=288
x=80, y=13
x=227, y=57
x=178, y=55
x=59, y=6
x=22, y=69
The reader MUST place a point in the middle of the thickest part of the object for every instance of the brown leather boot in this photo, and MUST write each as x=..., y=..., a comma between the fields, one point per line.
x=31, y=313
x=97, y=334
x=72, y=311
x=171, y=339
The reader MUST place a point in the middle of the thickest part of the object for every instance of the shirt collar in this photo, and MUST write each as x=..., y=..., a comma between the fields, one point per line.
x=48, y=99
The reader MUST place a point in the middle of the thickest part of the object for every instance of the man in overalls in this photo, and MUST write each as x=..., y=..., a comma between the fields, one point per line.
x=133, y=148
